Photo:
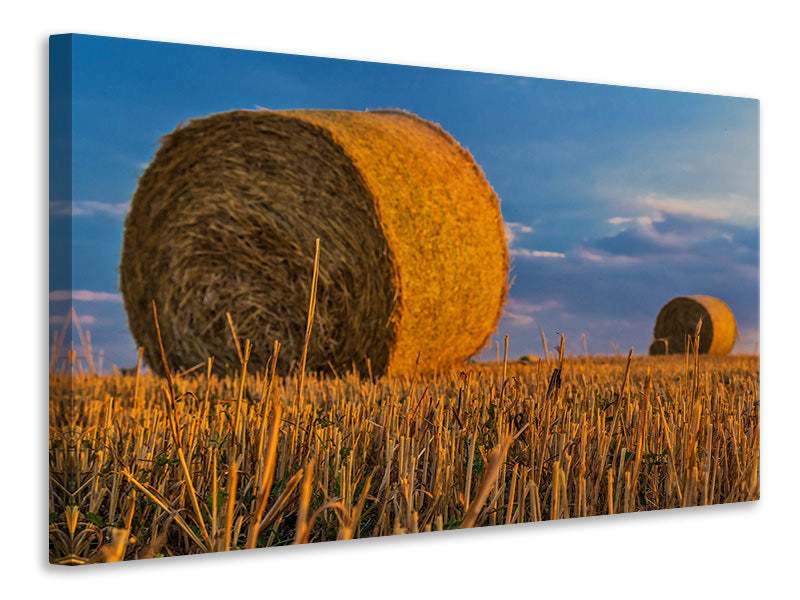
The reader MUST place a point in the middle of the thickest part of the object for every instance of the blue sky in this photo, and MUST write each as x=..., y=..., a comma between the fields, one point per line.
x=615, y=199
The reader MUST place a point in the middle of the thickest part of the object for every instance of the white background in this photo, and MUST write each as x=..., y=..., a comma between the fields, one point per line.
x=724, y=48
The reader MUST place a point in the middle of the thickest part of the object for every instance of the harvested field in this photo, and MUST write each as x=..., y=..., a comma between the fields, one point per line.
x=142, y=468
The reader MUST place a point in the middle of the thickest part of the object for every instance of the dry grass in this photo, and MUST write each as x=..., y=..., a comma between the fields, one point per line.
x=143, y=466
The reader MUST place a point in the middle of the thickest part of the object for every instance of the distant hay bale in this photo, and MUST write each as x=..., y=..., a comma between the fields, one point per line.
x=413, y=267
x=677, y=321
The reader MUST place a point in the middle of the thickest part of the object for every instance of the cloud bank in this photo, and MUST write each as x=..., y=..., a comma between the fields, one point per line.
x=84, y=296
x=88, y=208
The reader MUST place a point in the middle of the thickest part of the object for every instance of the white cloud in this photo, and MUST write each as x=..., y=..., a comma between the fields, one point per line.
x=88, y=208
x=525, y=253
x=519, y=319
x=514, y=229
x=84, y=295
x=653, y=208
x=520, y=306
x=706, y=208
x=638, y=220
x=611, y=259
x=589, y=255
x=83, y=319
x=519, y=311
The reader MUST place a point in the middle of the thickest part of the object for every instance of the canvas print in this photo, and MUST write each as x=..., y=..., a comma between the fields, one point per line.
x=296, y=300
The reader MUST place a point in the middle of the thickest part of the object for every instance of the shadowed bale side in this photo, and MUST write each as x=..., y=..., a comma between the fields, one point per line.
x=413, y=259
x=677, y=320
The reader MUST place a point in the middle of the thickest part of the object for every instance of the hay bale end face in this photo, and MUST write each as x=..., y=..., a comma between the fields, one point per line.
x=413, y=264
x=677, y=321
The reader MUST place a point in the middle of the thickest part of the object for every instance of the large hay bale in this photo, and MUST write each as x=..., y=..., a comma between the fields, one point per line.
x=677, y=321
x=413, y=265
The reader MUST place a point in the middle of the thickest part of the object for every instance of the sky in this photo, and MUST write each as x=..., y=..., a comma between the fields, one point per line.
x=615, y=199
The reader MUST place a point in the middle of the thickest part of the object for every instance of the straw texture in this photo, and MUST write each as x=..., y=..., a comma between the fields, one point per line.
x=413, y=266
x=677, y=320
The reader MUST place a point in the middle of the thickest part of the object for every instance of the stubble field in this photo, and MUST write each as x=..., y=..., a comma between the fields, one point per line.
x=144, y=466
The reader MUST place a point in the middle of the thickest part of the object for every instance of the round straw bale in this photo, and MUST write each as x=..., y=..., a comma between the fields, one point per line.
x=677, y=321
x=413, y=261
